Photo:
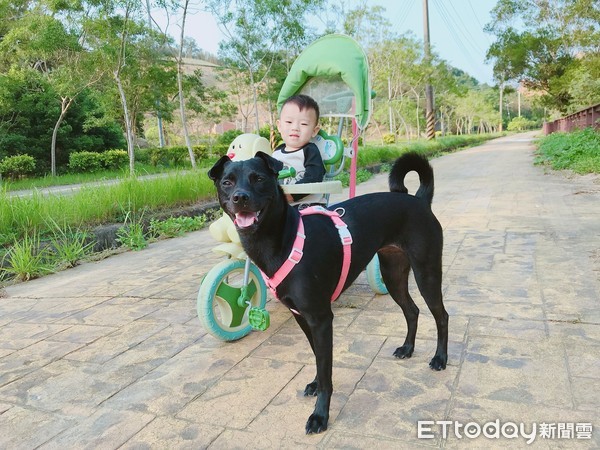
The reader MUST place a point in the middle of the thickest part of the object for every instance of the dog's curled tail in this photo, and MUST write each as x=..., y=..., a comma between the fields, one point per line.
x=407, y=163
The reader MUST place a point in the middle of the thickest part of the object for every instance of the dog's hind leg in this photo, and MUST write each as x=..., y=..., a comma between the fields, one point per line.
x=311, y=388
x=395, y=269
x=429, y=282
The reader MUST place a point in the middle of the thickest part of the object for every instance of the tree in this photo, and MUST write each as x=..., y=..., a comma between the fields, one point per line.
x=547, y=48
x=186, y=134
x=42, y=42
x=399, y=70
x=207, y=102
x=369, y=26
x=28, y=112
x=255, y=30
x=124, y=47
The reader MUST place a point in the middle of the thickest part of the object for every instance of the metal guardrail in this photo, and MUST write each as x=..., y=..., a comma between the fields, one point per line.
x=588, y=117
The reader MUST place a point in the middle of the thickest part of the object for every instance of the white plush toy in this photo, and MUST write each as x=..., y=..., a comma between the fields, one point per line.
x=246, y=145
x=242, y=147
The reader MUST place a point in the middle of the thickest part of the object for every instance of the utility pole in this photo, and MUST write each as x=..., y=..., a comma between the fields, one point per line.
x=429, y=107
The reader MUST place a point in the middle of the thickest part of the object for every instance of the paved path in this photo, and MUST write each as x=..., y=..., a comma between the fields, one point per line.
x=111, y=354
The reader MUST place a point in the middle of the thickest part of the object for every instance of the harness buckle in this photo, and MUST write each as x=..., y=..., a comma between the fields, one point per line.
x=295, y=255
x=345, y=235
x=318, y=209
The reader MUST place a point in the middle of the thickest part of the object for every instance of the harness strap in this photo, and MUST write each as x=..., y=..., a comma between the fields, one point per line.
x=298, y=246
x=345, y=238
x=290, y=262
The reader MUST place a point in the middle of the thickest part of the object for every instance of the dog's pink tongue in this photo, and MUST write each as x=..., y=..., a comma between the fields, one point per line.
x=245, y=219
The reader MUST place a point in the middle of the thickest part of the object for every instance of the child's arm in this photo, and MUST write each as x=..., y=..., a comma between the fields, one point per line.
x=314, y=169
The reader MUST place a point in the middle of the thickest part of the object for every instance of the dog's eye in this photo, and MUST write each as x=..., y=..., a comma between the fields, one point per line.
x=226, y=183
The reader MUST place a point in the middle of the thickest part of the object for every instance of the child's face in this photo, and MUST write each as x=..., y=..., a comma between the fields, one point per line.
x=297, y=127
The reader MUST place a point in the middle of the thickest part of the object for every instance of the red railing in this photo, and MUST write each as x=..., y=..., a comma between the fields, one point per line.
x=589, y=117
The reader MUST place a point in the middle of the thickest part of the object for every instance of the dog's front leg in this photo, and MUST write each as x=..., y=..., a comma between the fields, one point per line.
x=321, y=327
x=311, y=388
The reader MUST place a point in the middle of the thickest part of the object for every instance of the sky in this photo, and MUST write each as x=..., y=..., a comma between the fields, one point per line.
x=455, y=28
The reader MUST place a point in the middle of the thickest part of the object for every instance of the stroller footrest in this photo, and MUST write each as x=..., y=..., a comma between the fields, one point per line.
x=259, y=318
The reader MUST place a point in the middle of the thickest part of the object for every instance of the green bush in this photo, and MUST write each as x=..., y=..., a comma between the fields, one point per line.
x=228, y=136
x=389, y=139
x=201, y=151
x=85, y=162
x=114, y=159
x=175, y=156
x=158, y=156
x=17, y=166
x=142, y=155
x=178, y=156
x=265, y=131
x=578, y=151
x=175, y=226
x=520, y=124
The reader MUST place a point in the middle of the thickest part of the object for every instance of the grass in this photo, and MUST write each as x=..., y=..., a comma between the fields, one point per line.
x=131, y=234
x=175, y=226
x=68, y=246
x=578, y=151
x=371, y=155
x=80, y=178
x=32, y=244
x=27, y=259
x=92, y=206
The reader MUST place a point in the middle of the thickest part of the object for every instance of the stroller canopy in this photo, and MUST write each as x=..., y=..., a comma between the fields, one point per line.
x=334, y=71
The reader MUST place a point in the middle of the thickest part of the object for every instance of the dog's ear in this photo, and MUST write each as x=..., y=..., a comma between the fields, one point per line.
x=217, y=170
x=273, y=164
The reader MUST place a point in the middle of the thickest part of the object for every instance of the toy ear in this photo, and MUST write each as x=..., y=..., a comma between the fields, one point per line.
x=217, y=170
x=274, y=164
x=261, y=144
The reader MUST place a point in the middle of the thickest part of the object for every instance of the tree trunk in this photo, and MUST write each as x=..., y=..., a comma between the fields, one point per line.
x=418, y=121
x=186, y=134
x=254, y=99
x=65, y=104
x=128, y=127
x=501, y=87
x=390, y=110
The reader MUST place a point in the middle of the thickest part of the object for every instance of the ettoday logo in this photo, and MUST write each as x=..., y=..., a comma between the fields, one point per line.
x=426, y=429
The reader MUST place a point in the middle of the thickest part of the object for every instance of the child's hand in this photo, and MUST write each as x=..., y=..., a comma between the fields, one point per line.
x=289, y=198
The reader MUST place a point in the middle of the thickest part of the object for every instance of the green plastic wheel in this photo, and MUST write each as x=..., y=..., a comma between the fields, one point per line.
x=374, y=277
x=222, y=299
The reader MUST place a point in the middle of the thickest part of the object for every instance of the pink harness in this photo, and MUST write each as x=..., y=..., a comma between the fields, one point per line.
x=298, y=246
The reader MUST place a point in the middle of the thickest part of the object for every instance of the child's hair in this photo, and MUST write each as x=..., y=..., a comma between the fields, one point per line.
x=303, y=102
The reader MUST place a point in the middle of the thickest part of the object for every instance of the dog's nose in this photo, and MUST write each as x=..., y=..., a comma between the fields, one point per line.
x=240, y=197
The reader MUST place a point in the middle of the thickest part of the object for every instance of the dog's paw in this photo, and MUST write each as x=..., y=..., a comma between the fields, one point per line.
x=316, y=424
x=438, y=363
x=311, y=389
x=404, y=352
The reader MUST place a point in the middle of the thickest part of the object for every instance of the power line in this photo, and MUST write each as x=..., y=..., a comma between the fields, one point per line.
x=460, y=26
x=448, y=21
x=478, y=22
x=403, y=13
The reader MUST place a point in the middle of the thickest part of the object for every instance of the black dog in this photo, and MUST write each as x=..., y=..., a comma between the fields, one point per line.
x=399, y=227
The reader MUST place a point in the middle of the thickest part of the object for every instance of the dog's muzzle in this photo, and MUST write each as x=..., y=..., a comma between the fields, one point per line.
x=244, y=219
x=240, y=197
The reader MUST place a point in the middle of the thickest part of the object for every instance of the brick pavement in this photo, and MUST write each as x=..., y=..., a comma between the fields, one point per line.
x=111, y=354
